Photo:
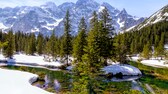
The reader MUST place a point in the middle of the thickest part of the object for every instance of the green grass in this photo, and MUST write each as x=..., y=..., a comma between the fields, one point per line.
x=117, y=87
x=155, y=77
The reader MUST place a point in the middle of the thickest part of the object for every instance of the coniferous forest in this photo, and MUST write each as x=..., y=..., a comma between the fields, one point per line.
x=91, y=48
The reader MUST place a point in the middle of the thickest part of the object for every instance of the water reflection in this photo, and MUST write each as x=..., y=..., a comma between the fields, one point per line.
x=57, y=85
x=136, y=86
x=124, y=78
x=47, y=81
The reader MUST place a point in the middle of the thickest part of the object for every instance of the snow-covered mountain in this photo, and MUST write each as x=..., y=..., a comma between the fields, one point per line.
x=49, y=17
x=159, y=16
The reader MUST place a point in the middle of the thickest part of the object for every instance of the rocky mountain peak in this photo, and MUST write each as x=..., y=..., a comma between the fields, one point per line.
x=123, y=12
x=107, y=5
x=84, y=1
x=49, y=17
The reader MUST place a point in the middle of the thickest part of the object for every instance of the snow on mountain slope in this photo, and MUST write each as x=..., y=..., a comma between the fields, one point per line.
x=2, y=26
x=160, y=15
x=49, y=17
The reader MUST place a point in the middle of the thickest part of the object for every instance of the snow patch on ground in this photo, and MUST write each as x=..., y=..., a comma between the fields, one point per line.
x=39, y=60
x=2, y=57
x=17, y=82
x=124, y=69
x=166, y=46
x=28, y=60
x=155, y=63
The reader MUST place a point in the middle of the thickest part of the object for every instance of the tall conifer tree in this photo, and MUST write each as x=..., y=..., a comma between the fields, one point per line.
x=80, y=41
x=66, y=44
x=32, y=44
x=10, y=47
x=40, y=45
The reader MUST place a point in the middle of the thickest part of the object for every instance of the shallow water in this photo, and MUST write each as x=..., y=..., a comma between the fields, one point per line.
x=61, y=81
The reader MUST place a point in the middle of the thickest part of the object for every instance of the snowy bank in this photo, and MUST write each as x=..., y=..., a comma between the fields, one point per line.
x=151, y=62
x=39, y=60
x=17, y=82
x=28, y=60
x=124, y=69
x=155, y=63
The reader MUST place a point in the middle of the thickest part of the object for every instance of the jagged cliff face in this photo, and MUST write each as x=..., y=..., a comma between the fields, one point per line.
x=49, y=17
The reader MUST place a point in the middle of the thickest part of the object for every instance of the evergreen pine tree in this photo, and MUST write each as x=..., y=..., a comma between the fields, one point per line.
x=159, y=50
x=106, y=34
x=132, y=47
x=40, y=44
x=52, y=42
x=90, y=66
x=120, y=48
x=32, y=44
x=107, y=21
x=91, y=63
x=94, y=20
x=146, y=53
x=10, y=47
x=80, y=41
x=66, y=44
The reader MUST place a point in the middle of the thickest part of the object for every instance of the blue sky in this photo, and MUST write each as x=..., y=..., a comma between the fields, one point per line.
x=141, y=8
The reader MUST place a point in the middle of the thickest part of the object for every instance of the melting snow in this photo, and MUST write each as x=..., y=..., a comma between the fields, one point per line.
x=18, y=82
x=124, y=69
x=154, y=63
x=151, y=62
x=32, y=61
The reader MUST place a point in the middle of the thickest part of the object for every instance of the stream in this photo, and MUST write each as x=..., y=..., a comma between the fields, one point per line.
x=61, y=81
